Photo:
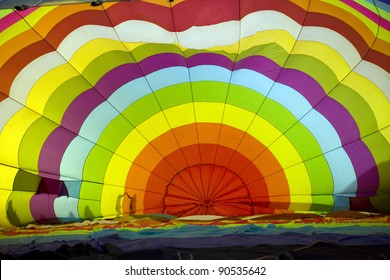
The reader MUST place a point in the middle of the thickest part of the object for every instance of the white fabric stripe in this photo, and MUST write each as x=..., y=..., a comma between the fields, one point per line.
x=8, y=108
x=268, y=20
x=334, y=40
x=222, y=34
x=143, y=31
x=376, y=75
x=82, y=35
x=30, y=74
x=72, y=163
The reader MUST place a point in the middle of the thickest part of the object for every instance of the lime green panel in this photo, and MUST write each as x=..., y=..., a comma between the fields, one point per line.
x=4, y=12
x=63, y=96
x=304, y=141
x=149, y=49
x=89, y=209
x=320, y=176
x=245, y=98
x=142, y=109
x=358, y=107
x=206, y=91
x=33, y=141
x=18, y=208
x=25, y=181
x=322, y=203
x=96, y=164
x=190, y=52
x=174, y=95
x=314, y=68
x=380, y=150
x=103, y=64
x=277, y=115
x=118, y=127
x=91, y=191
x=272, y=51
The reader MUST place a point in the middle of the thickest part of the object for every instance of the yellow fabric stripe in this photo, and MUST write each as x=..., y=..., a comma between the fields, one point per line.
x=38, y=14
x=12, y=135
x=7, y=177
x=116, y=174
x=91, y=50
x=325, y=54
x=280, y=37
x=366, y=21
x=372, y=95
x=386, y=133
x=13, y=31
x=46, y=85
x=283, y=150
x=4, y=195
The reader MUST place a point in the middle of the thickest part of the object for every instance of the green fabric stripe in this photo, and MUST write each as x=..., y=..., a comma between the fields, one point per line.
x=103, y=64
x=89, y=209
x=315, y=68
x=63, y=96
x=32, y=143
x=271, y=51
x=380, y=150
x=18, y=209
x=358, y=107
x=208, y=91
x=96, y=164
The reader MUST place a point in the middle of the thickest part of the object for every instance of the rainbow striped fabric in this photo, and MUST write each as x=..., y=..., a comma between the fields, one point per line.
x=191, y=107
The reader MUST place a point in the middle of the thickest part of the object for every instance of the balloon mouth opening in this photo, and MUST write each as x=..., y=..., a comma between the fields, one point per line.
x=207, y=189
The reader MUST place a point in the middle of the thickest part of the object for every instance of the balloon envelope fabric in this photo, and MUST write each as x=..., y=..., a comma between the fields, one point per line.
x=195, y=107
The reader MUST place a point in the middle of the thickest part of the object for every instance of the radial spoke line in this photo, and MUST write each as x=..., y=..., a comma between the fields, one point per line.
x=265, y=97
x=154, y=95
x=326, y=96
x=192, y=188
x=91, y=86
x=225, y=188
x=230, y=80
x=183, y=213
x=188, y=191
x=298, y=163
x=222, y=184
x=192, y=92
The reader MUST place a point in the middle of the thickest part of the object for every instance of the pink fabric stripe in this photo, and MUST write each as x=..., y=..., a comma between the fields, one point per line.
x=368, y=13
x=8, y=20
x=14, y=17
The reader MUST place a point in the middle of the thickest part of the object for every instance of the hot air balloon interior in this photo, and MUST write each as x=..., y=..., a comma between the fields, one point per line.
x=194, y=125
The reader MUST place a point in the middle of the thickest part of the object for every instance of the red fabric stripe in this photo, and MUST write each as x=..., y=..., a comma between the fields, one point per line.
x=71, y=23
x=17, y=62
x=123, y=11
x=286, y=7
x=353, y=36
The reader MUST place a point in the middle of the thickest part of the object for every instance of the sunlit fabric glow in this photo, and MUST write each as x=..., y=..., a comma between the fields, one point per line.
x=194, y=107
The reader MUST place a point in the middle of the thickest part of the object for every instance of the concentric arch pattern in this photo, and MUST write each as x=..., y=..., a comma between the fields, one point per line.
x=224, y=107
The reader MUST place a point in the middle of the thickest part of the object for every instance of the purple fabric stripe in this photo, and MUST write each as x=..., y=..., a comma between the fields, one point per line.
x=53, y=150
x=260, y=64
x=42, y=208
x=117, y=77
x=80, y=108
x=365, y=167
x=52, y=186
x=303, y=83
x=337, y=115
x=161, y=61
x=210, y=59
x=123, y=74
x=341, y=120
